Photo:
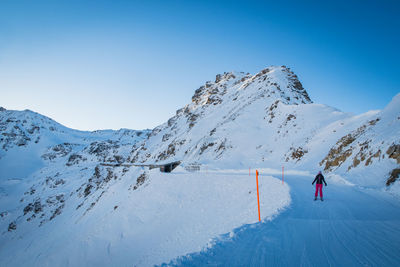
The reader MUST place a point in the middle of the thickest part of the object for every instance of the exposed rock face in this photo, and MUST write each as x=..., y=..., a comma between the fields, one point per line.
x=394, y=175
x=12, y=226
x=60, y=150
x=296, y=153
x=296, y=85
x=394, y=152
x=140, y=181
x=75, y=159
x=345, y=147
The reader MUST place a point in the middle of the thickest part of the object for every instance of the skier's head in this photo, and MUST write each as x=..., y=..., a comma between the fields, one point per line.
x=319, y=172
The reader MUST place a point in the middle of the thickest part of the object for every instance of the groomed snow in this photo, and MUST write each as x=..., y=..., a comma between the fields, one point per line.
x=351, y=227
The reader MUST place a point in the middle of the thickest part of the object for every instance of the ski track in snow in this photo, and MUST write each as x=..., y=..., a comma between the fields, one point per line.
x=352, y=227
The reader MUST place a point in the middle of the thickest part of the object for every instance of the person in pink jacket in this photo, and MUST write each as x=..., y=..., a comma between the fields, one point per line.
x=319, y=179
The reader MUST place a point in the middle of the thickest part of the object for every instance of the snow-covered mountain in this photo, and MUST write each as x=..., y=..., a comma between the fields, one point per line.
x=231, y=121
x=51, y=176
x=29, y=140
x=40, y=155
x=268, y=120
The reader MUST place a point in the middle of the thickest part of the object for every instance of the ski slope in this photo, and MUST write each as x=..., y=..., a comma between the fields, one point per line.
x=352, y=227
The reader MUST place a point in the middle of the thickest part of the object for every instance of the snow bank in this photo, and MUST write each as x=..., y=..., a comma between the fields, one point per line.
x=264, y=171
x=181, y=213
x=337, y=179
x=171, y=215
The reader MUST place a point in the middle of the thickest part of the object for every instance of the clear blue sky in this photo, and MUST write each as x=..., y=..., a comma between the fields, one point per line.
x=132, y=64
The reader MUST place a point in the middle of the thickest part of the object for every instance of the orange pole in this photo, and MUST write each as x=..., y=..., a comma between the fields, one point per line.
x=258, y=198
x=282, y=175
x=249, y=171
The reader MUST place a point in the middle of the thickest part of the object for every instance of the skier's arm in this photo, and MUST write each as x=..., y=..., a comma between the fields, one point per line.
x=323, y=179
x=314, y=180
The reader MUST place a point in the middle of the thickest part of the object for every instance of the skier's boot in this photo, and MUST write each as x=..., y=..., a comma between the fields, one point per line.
x=315, y=198
x=322, y=199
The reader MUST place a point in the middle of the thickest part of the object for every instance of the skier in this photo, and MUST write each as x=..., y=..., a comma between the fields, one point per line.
x=319, y=179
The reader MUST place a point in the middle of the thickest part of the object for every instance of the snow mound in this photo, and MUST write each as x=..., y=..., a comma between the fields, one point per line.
x=173, y=215
x=337, y=179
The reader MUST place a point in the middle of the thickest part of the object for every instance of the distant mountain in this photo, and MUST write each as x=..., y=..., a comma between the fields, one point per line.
x=44, y=154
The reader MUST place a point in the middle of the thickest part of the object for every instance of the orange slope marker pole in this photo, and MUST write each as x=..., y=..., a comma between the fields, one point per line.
x=249, y=171
x=258, y=198
x=282, y=175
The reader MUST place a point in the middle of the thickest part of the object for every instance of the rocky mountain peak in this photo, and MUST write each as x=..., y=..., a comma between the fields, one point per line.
x=218, y=105
x=281, y=82
x=276, y=83
x=226, y=76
